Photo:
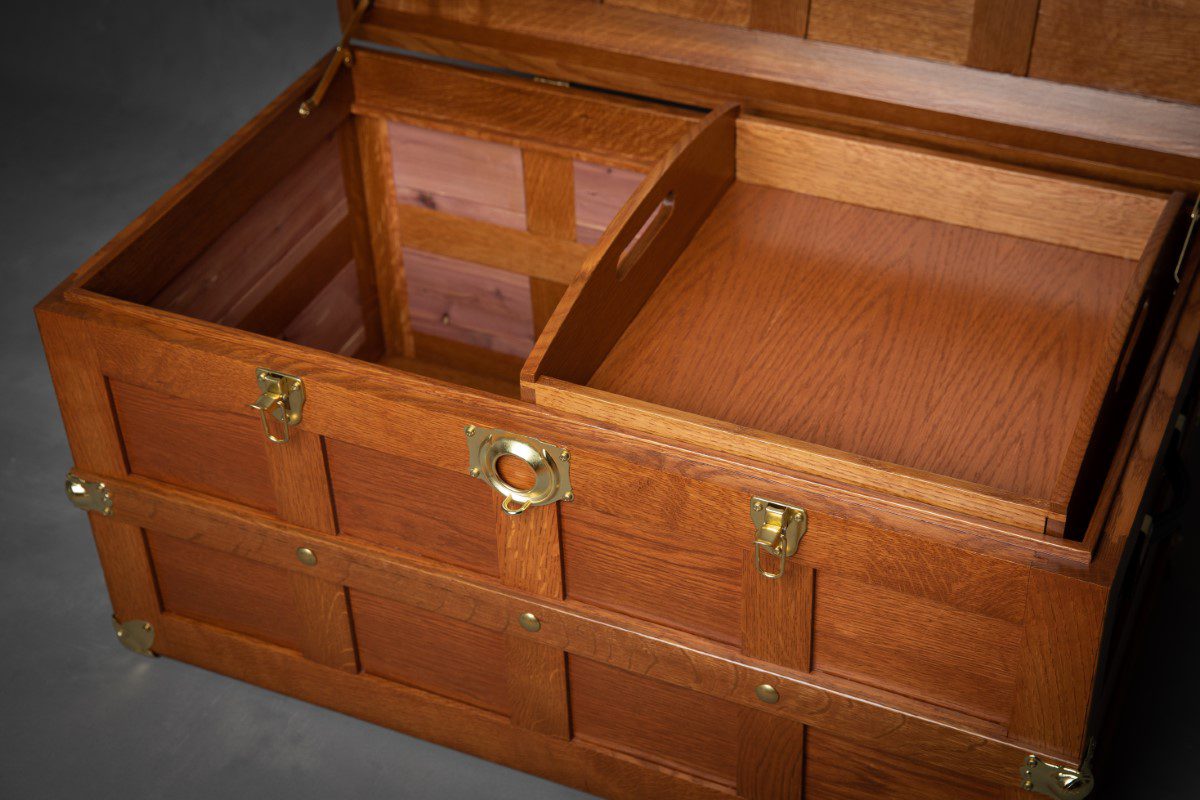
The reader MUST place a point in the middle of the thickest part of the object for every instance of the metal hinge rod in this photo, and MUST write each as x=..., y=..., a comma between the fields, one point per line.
x=341, y=56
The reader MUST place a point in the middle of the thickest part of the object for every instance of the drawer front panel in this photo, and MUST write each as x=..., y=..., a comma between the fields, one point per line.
x=421, y=509
x=649, y=719
x=222, y=589
x=432, y=652
x=189, y=445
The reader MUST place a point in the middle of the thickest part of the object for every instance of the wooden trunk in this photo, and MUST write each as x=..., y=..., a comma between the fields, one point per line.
x=953, y=343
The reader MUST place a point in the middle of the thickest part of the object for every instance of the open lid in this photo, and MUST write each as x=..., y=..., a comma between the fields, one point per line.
x=795, y=59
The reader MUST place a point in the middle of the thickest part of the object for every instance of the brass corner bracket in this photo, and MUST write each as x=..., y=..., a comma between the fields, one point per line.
x=341, y=56
x=1062, y=783
x=89, y=495
x=136, y=634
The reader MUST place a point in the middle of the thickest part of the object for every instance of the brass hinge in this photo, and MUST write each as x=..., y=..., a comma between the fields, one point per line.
x=551, y=81
x=282, y=400
x=1063, y=783
x=551, y=467
x=778, y=529
x=89, y=496
x=1195, y=216
x=341, y=56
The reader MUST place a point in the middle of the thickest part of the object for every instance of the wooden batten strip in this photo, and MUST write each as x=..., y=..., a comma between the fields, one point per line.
x=516, y=251
x=1079, y=214
x=549, y=211
x=620, y=132
x=383, y=212
x=1002, y=35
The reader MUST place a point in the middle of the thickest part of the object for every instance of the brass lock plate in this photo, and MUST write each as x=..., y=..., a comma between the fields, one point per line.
x=89, y=495
x=551, y=467
x=778, y=529
x=280, y=404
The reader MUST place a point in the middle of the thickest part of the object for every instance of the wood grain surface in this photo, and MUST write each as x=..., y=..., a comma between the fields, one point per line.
x=886, y=332
x=1042, y=207
x=935, y=29
x=433, y=652
x=220, y=453
x=654, y=720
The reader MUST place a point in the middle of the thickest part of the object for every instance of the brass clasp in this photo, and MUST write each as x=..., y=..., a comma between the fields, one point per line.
x=778, y=530
x=282, y=400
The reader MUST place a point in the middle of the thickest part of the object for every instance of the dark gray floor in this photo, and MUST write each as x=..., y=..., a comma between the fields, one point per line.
x=105, y=105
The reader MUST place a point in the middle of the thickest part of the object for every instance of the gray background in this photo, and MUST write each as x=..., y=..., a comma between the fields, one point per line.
x=105, y=106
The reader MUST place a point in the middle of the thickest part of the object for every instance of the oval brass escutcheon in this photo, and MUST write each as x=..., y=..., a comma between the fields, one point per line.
x=550, y=466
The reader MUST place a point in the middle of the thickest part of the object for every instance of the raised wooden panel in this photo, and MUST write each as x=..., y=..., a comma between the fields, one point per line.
x=178, y=442
x=648, y=719
x=438, y=654
x=1144, y=46
x=222, y=589
x=469, y=303
x=600, y=191
x=935, y=29
x=657, y=568
x=835, y=769
x=906, y=644
x=459, y=175
x=404, y=504
x=262, y=247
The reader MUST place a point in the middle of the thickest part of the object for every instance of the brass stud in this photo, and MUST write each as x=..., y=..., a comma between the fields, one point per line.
x=767, y=693
x=1027, y=785
x=307, y=557
x=470, y=429
x=474, y=472
x=530, y=622
x=569, y=496
x=566, y=455
x=758, y=506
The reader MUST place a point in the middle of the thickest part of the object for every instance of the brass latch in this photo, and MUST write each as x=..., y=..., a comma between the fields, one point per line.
x=341, y=56
x=282, y=400
x=1063, y=783
x=89, y=496
x=551, y=467
x=778, y=530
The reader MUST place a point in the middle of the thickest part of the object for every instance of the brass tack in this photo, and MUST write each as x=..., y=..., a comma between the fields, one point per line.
x=474, y=472
x=470, y=429
x=758, y=506
x=566, y=455
x=530, y=622
x=767, y=693
x=569, y=496
x=1027, y=785
x=306, y=556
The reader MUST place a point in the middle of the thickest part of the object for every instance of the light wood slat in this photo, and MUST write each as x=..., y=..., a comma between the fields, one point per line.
x=780, y=16
x=360, y=240
x=770, y=759
x=491, y=245
x=383, y=211
x=1076, y=214
x=1002, y=35
x=549, y=211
